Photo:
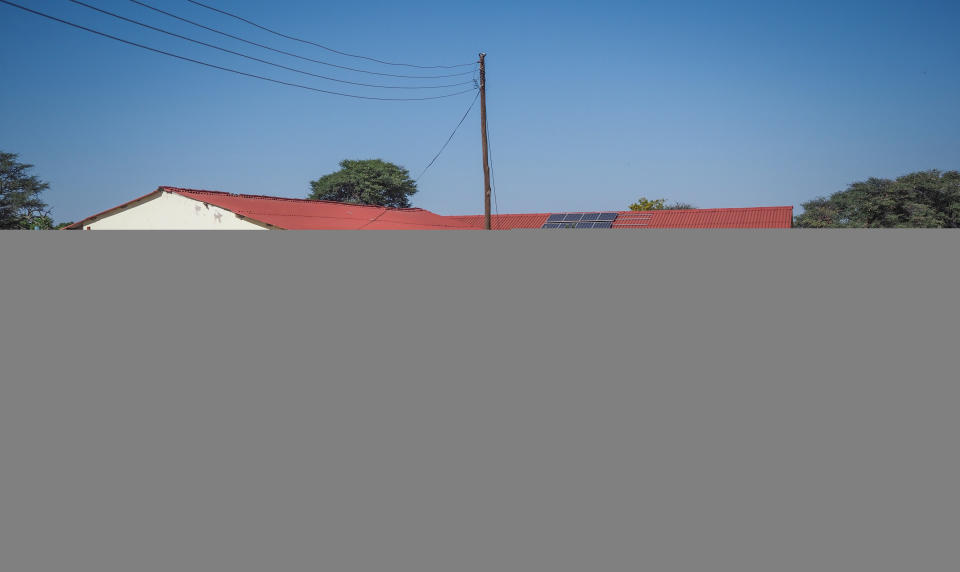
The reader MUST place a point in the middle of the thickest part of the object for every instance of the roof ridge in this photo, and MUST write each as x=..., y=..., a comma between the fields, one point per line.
x=631, y=212
x=703, y=210
x=289, y=199
x=494, y=215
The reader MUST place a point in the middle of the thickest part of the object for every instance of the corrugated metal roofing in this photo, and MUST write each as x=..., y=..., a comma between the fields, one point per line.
x=305, y=214
x=752, y=217
x=504, y=221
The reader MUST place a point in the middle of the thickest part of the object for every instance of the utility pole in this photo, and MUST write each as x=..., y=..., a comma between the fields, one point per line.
x=483, y=127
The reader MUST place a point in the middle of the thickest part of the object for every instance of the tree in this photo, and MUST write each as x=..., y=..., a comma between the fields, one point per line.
x=645, y=204
x=366, y=182
x=925, y=199
x=20, y=203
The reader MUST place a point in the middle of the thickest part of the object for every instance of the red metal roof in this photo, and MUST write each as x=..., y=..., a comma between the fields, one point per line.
x=504, y=221
x=752, y=217
x=305, y=214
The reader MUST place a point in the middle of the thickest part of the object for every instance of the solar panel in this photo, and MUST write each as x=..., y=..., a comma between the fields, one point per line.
x=580, y=220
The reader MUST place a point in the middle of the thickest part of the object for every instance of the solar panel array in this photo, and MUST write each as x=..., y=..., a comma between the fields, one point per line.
x=581, y=220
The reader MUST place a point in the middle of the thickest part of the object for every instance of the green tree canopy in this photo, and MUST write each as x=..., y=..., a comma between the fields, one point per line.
x=20, y=202
x=366, y=182
x=645, y=204
x=925, y=199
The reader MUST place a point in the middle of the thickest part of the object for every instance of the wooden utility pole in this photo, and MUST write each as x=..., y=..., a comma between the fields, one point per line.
x=483, y=127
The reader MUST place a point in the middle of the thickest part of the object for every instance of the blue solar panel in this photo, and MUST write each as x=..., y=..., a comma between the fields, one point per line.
x=578, y=224
x=556, y=218
x=608, y=217
x=573, y=217
x=591, y=216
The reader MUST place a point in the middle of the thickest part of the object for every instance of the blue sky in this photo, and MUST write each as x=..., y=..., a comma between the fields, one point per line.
x=591, y=105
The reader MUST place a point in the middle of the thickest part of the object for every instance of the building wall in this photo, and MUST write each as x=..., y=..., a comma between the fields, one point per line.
x=170, y=211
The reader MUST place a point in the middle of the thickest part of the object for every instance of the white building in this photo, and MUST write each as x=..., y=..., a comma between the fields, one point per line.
x=170, y=208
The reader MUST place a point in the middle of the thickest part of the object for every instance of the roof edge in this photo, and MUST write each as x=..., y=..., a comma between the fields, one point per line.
x=79, y=224
x=180, y=190
x=629, y=211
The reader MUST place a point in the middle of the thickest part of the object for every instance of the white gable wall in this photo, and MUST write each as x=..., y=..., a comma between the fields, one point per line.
x=170, y=211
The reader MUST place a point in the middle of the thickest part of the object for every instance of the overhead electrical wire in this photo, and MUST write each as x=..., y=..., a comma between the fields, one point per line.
x=222, y=68
x=493, y=177
x=249, y=57
x=291, y=54
x=455, y=129
x=329, y=49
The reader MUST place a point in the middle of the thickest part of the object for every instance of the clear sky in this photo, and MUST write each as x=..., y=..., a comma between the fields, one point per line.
x=591, y=104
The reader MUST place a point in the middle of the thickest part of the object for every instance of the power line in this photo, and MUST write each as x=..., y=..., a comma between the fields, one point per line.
x=238, y=72
x=291, y=54
x=294, y=38
x=249, y=57
x=437, y=156
x=493, y=174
